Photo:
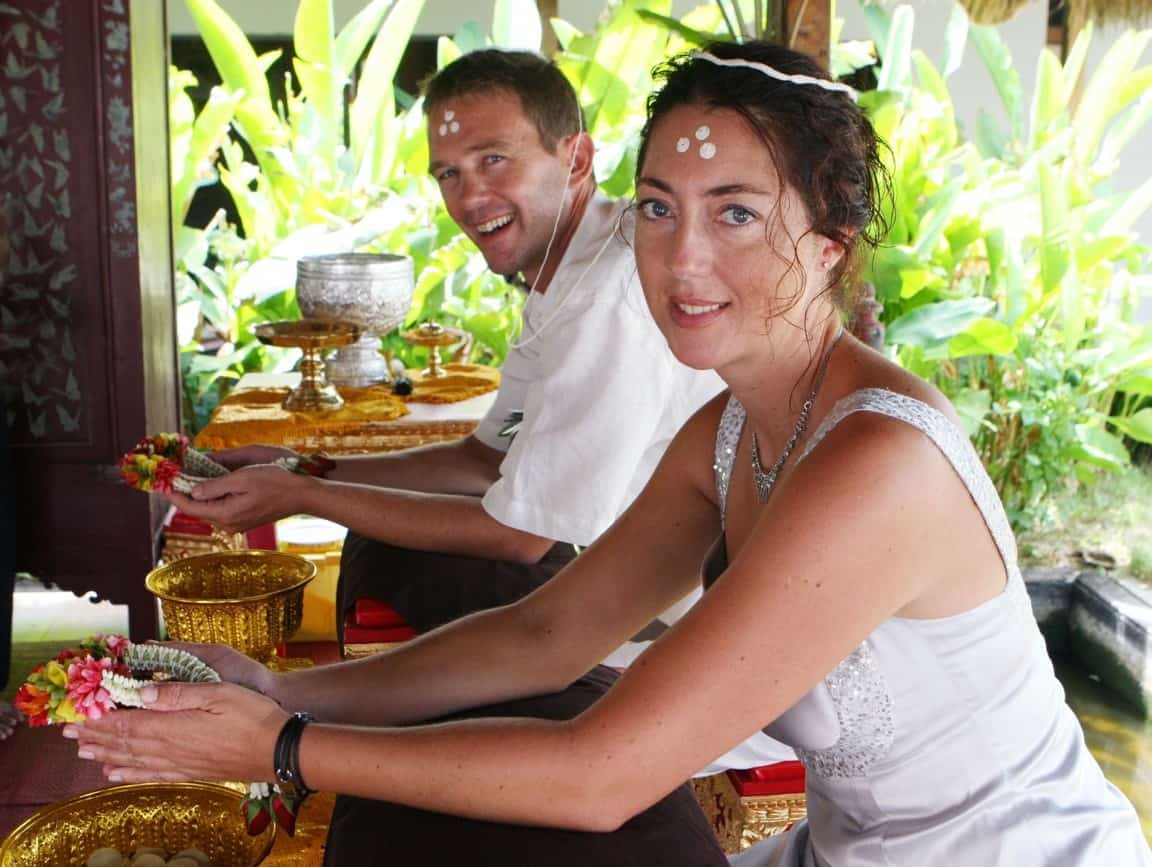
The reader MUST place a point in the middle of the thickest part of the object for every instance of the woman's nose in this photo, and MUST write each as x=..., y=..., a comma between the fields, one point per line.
x=690, y=253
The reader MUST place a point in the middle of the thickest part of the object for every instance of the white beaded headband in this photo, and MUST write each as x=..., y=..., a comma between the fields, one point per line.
x=772, y=72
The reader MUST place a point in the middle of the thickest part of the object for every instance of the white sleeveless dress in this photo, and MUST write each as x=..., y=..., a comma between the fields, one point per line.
x=943, y=742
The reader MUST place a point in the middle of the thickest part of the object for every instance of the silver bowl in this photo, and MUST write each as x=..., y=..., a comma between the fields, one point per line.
x=373, y=290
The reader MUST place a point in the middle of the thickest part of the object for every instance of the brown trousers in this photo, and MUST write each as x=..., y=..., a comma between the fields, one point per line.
x=671, y=833
x=429, y=589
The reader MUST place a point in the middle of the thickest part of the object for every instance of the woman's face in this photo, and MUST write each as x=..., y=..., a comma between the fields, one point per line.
x=720, y=244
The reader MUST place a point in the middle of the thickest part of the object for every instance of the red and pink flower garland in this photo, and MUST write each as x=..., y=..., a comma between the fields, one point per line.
x=155, y=462
x=68, y=688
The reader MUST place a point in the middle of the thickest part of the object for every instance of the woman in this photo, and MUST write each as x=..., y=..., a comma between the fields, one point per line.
x=863, y=596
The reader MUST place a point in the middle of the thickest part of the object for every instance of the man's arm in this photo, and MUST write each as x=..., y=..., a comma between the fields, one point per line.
x=465, y=466
x=411, y=513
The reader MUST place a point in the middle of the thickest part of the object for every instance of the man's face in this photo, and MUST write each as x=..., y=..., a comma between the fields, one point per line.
x=498, y=181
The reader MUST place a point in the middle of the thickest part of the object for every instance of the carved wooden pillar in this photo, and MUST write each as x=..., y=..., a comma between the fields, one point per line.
x=807, y=27
x=87, y=346
x=549, y=9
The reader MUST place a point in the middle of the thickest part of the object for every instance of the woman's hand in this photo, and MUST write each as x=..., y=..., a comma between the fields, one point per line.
x=189, y=731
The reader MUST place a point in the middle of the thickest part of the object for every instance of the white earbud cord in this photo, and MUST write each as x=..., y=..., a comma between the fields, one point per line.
x=536, y=332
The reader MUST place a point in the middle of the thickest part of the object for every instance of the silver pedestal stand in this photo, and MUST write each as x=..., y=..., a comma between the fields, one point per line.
x=373, y=290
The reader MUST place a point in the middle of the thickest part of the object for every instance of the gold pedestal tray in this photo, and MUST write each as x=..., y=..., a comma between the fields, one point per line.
x=433, y=335
x=314, y=393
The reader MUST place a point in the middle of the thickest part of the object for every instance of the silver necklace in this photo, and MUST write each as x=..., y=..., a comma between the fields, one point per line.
x=765, y=481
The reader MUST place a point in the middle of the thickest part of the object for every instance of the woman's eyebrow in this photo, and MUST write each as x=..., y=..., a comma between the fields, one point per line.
x=721, y=190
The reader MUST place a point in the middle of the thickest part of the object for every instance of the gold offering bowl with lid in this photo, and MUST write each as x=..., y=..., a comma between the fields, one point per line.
x=433, y=335
x=314, y=393
x=170, y=816
x=250, y=600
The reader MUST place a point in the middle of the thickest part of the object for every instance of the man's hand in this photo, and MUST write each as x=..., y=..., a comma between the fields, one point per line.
x=249, y=456
x=250, y=497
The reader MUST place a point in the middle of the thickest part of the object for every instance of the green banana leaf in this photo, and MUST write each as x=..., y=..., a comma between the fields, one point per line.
x=516, y=25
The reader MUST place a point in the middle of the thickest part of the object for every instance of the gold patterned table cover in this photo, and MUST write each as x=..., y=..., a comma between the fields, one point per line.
x=371, y=420
x=306, y=849
x=743, y=821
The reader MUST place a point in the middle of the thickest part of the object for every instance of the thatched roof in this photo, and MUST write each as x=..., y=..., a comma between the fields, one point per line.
x=1131, y=12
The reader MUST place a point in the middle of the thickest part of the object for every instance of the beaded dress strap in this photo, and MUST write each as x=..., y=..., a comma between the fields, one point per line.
x=953, y=443
x=727, y=438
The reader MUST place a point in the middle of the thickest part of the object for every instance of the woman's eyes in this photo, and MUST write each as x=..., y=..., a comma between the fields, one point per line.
x=738, y=215
x=654, y=209
x=732, y=215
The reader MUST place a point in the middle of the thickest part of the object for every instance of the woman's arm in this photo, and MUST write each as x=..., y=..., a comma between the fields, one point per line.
x=851, y=537
x=544, y=642
x=221, y=731
x=856, y=535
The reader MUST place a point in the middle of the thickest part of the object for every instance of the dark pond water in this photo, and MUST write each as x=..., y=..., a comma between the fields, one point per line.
x=1120, y=740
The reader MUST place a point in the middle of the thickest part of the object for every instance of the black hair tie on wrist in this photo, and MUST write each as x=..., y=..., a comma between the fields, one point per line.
x=286, y=754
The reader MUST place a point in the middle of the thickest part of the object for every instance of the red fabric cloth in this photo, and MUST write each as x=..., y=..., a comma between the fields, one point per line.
x=371, y=621
x=354, y=634
x=781, y=778
x=259, y=538
x=373, y=612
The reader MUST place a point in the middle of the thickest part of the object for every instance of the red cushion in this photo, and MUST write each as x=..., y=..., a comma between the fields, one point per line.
x=354, y=634
x=373, y=612
x=780, y=778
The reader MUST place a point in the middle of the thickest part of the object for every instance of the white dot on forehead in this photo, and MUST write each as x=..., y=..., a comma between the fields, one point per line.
x=448, y=115
x=703, y=132
x=443, y=129
x=455, y=126
x=682, y=144
x=707, y=150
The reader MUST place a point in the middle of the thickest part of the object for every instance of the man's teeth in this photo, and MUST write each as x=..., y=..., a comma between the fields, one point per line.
x=493, y=225
x=697, y=309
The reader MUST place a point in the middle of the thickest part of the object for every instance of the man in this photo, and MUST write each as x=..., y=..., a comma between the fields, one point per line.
x=441, y=531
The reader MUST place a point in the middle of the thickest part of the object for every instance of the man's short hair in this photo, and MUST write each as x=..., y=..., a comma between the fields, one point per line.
x=546, y=96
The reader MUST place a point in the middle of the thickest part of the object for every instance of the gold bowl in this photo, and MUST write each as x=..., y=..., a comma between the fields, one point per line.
x=172, y=816
x=249, y=600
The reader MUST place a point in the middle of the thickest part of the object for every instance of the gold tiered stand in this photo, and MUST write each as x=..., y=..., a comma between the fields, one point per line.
x=433, y=335
x=314, y=393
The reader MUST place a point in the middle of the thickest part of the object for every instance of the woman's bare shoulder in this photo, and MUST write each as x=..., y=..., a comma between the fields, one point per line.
x=874, y=371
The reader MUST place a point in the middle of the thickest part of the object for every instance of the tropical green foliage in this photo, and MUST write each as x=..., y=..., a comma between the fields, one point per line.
x=1010, y=273
x=307, y=175
x=323, y=173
